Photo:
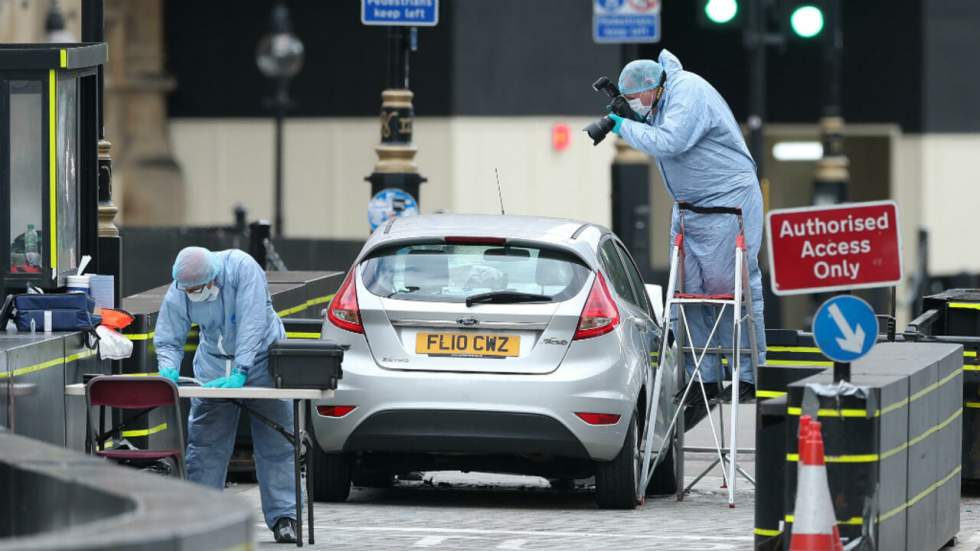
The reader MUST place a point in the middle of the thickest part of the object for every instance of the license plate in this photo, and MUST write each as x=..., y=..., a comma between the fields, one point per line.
x=477, y=345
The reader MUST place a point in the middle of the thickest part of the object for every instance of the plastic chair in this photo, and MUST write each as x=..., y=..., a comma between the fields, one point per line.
x=133, y=393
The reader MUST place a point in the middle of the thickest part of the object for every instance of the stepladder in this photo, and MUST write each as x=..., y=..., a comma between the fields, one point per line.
x=728, y=357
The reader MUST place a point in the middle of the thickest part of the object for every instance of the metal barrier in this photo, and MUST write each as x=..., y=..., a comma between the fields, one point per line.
x=57, y=499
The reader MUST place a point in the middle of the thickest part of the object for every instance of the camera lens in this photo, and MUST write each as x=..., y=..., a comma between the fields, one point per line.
x=598, y=129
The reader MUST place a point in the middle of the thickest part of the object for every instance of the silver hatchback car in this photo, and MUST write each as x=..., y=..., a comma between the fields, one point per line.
x=492, y=343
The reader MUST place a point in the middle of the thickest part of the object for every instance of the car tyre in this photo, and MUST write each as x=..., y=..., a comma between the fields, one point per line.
x=616, y=480
x=364, y=478
x=331, y=475
x=664, y=481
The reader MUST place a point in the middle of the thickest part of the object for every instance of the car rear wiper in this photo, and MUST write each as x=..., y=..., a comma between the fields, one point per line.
x=406, y=290
x=505, y=297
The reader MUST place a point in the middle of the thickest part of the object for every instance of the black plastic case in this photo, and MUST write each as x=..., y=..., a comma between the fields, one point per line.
x=302, y=363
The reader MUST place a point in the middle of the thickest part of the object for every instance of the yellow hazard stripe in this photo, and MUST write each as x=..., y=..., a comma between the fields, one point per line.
x=63, y=58
x=972, y=405
x=965, y=305
x=144, y=432
x=767, y=533
x=853, y=521
x=301, y=335
x=305, y=305
x=799, y=349
x=872, y=457
x=920, y=496
x=47, y=364
x=798, y=363
x=286, y=312
x=846, y=412
x=892, y=407
x=53, y=169
x=769, y=393
x=856, y=458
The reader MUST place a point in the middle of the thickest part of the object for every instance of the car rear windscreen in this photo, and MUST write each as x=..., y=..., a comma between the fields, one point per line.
x=451, y=272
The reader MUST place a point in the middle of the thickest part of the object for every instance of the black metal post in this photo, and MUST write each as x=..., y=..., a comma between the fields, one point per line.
x=281, y=103
x=109, y=257
x=832, y=170
x=842, y=372
x=396, y=166
x=258, y=233
x=755, y=42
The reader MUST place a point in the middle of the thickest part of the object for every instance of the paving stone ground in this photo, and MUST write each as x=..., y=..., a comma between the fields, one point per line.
x=477, y=511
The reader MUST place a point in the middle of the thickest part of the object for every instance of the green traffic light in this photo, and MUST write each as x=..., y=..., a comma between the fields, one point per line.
x=807, y=21
x=721, y=11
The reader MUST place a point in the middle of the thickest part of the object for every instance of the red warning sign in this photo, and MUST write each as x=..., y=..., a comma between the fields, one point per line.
x=849, y=246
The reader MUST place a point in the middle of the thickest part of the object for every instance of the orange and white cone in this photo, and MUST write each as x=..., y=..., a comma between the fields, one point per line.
x=814, y=522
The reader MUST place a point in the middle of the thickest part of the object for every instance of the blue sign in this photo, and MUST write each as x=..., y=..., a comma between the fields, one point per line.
x=390, y=203
x=625, y=21
x=845, y=328
x=406, y=13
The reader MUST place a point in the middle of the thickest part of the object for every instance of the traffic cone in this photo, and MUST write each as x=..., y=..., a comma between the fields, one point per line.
x=814, y=523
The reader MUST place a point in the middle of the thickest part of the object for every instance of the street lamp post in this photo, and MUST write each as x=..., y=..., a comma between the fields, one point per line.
x=279, y=57
x=832, y=170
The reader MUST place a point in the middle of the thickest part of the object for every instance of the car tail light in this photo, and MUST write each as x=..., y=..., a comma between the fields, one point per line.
x=343, y=311
x=598, y=418
x=334, y=411
x=600, y=314
x=463, y=240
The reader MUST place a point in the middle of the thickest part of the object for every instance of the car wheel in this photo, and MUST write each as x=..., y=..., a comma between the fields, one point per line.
x=562, y=484
x=616, y=480
x=664, y=481
x=331, y=475
x=372, y=479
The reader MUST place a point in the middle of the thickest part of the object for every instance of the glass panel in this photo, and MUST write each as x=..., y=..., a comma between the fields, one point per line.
x=616, y=271
x=450, y=273
x=67, y=175
x=26, y=176
x=637, y=280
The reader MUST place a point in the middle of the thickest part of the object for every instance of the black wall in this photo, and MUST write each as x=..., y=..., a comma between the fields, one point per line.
x=906, y=61
x=952, y=80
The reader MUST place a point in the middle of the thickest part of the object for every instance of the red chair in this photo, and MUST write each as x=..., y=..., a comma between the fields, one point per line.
x=132, y=393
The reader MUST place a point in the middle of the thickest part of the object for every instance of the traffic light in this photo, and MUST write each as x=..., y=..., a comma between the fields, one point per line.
x=807, y=20
x=720, y=13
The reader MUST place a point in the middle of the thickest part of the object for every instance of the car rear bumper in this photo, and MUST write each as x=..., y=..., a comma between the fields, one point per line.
x=521, y=414
x=454, y=431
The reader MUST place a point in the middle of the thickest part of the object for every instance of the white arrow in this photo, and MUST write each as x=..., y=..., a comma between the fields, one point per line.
x=853, y=340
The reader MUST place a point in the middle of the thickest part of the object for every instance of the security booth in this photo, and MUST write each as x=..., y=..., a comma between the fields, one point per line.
x=48, y=161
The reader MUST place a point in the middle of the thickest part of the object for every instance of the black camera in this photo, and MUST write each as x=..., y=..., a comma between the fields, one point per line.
x=619, y=105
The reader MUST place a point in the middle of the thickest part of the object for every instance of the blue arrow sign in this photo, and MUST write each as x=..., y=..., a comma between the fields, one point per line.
x=845, y=328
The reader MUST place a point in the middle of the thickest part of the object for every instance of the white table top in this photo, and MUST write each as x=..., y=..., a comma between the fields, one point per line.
x=244, y=393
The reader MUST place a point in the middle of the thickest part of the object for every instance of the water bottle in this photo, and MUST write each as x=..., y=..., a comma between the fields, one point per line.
x=31, y=251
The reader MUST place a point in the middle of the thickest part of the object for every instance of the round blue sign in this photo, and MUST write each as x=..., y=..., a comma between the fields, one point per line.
x=609, y=5
x=390, y=203
x=845, y=328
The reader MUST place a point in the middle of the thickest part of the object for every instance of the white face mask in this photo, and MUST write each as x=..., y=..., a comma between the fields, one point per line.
x=207, y=294
x=637, y=106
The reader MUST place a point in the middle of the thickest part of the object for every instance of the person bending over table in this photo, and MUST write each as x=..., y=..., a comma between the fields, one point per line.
x=226, y=294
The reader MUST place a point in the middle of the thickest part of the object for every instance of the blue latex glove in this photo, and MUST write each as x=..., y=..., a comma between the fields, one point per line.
x=235, y=380
x=618, y=120
x=170, y=373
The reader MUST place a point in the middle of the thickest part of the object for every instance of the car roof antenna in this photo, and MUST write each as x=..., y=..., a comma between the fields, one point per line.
x=500, y=195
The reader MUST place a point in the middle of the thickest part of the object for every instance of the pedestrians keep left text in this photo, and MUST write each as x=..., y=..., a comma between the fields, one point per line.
x=409, y=13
